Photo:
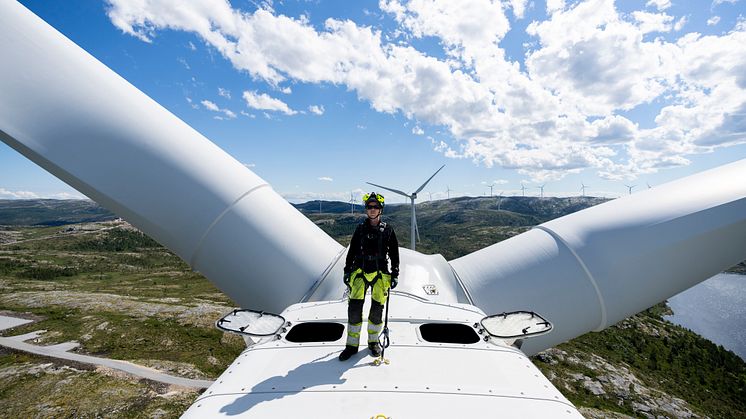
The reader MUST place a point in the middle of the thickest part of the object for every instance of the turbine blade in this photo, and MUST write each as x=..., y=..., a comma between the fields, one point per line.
x=389, y=189
x=431, y=177
x=662, y=245
x=69, y=113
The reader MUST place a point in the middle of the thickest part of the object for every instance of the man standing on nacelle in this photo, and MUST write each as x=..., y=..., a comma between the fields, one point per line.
x=367, y=266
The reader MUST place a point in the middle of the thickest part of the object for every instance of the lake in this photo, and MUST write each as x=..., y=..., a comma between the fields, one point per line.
x=715, y=309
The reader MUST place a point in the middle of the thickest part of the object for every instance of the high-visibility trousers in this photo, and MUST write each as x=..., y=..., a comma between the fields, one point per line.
x=360, y=281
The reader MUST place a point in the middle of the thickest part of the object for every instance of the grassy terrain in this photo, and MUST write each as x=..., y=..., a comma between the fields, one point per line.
x=120, y=295
x=32, y=386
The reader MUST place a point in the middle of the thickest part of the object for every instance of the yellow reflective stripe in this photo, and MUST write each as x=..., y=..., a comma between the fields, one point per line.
x=353, y=333
x=373, y=331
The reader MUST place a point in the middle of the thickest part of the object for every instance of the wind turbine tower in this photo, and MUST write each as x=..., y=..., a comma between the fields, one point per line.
x=582, y=188
x=542, y=189
x=352, y=204
x=491, y=186
x=629, y=188
x=413, y=229
x=523, y=190
x=499, y=200
x=448, y=192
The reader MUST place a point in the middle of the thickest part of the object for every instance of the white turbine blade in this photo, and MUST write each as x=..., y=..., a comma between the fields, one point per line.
x=429, y=179
x=73, y=116
x=389, y=189
x=595, y=267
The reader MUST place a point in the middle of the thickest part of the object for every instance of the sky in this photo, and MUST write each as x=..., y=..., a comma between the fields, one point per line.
x=319, y=97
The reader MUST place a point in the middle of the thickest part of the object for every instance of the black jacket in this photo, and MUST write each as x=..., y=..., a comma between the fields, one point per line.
x=369, y=247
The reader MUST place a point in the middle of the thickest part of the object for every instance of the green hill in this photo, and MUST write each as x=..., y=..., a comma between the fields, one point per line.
x=51, y=212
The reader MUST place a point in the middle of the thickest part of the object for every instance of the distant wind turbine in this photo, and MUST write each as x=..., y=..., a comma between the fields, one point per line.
x=523, y=189
x=448, y=191
x=542, y=189
x=491, y=186
x=629, y=187
x=582, y=188
x=414, y=231
x=499, y=200
x=352, y=204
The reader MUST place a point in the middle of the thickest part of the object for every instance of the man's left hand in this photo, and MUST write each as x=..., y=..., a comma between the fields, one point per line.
x=394, y=282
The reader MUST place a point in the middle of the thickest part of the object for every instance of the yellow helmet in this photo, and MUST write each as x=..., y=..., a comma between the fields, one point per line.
x=370, y=197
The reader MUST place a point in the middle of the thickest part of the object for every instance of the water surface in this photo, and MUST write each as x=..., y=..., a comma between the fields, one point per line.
x=715, y=309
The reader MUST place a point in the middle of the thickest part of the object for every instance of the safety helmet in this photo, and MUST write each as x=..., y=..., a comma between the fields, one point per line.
x=373, y=197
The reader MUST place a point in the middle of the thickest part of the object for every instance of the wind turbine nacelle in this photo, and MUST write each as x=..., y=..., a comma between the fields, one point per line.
x=442, y=363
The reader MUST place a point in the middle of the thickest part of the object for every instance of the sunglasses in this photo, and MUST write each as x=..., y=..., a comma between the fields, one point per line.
x=372, y=207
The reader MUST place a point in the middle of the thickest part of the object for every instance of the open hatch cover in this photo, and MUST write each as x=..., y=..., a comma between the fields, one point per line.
x=250, y=322
x=516, y=324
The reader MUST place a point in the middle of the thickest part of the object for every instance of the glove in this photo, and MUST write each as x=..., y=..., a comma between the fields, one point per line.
x=394, y=282
x=346, y=279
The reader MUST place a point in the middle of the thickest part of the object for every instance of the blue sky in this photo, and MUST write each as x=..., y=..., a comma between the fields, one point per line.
x=318, y=97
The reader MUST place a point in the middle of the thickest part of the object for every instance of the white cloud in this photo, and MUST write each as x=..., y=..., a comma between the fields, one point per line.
x=557, y=114
x=215, y=108
x=519, y=7
x=660, y=4
x=224, y=93
x=210, y=105
x=191, y=46
x=262, y=101
x=8, y=194
x=325, y=179
x=680, y=23
x=317, y=110
x=249, y=115
x=713, y=21
x=67, y=195
x=184, y=63
x=555, y=6
x=459, y=25
x=249, y=165
x=652, y=22
x=418, y=131
x=598, y=62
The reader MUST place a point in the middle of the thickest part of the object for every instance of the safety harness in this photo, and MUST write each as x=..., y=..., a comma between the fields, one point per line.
x=379, y=257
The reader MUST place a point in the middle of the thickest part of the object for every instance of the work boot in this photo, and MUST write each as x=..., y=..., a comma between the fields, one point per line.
x=375, y=349
x=347, y=353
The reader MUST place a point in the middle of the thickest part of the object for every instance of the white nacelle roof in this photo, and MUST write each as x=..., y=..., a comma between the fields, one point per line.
x=277, y=378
